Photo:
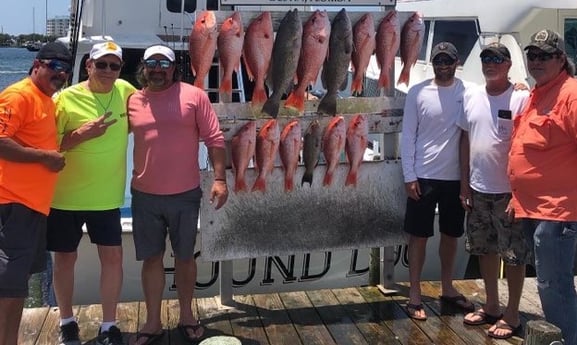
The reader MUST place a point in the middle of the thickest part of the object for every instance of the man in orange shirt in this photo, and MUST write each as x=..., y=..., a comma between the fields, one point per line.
x=542, y=167
x=29, y=163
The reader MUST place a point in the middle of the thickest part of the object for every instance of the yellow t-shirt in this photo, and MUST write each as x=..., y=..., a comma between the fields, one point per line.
x=27, y=117
x=95, y=172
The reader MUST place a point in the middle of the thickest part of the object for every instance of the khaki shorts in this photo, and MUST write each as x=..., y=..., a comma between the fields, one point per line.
x=490, y=232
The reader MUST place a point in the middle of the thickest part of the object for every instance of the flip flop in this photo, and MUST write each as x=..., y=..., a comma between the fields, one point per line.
x=412, y=310
x=458, y=301
x=183, y=329
x=515, y=331
x=151, y=338
x=484, y=318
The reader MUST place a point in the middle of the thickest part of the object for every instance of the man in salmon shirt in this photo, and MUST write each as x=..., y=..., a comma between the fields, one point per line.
x=542, y=168
x=29, y=163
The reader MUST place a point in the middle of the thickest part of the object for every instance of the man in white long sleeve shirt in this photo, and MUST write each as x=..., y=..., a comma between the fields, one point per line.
x=430, y=160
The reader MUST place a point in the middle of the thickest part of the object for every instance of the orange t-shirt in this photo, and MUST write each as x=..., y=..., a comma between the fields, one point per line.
x=543, y=156
x=27, y=117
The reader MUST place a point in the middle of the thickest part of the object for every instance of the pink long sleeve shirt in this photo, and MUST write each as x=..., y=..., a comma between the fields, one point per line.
x=167, y=127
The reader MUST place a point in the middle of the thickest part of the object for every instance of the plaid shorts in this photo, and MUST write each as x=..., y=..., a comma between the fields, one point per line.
x=490, y=232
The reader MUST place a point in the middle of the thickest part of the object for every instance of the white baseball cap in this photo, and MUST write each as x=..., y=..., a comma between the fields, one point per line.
x=105, y=48
x=159, y=49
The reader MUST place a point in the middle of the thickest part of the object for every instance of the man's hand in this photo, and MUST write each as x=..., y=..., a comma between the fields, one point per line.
x=53, y=160
x=95, y=128
x=413, y=190
x=219, y=193
x=466, y=197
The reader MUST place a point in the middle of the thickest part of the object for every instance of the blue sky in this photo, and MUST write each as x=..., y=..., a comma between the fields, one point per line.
x=16, y=18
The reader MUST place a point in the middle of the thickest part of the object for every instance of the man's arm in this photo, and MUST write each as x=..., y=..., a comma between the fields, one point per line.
x=465, y=194
x=87, y=131
x=219, y=191
x=10, y=150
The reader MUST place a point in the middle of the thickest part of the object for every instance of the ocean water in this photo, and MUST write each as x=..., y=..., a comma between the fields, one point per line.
x=14, y=65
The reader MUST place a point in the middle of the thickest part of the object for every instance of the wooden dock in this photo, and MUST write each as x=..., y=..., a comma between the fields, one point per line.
x=360, y=315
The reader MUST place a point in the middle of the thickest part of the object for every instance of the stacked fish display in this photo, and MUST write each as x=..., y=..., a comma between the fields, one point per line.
x=293, y=60
x=262, y=147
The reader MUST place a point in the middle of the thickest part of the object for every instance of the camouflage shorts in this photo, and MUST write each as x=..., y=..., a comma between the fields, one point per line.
x=490, y=232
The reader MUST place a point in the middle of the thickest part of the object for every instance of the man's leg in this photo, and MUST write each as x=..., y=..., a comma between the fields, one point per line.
x=554, y=258
x=185, y=278
x=10, y=316
x=515, y=280
x=447, y=253
x=152, y=284
x=417, y=253
x=489, y=269
x=110, y=280
x=63, y=281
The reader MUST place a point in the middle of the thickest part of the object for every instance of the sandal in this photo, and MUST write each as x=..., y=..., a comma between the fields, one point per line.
x=183, y=329
x=413, y=309
x=458, y=301
x=151, y=338
x=484, y=318
x=514, y=331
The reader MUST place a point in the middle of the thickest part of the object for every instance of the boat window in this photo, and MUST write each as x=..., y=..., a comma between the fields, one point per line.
x=462, y=33
x=423, y=52
x=571, y=37
x=176, y=6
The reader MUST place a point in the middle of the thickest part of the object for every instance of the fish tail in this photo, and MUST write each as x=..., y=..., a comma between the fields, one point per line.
x=328, y=179
x=239, y=185
x=288, y=184
x=259, y=185
x=259, y=95
x=295, y=100
x=199, y=82
x=357, y=85
x=351, y=179
x=271, y=108
x=384, y=80
x=328, y=104
x=226, y=85
x=307, y=178
x=404, y=77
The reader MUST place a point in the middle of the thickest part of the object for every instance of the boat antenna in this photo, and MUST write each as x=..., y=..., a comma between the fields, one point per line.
x=75, y=17
x=172, y=38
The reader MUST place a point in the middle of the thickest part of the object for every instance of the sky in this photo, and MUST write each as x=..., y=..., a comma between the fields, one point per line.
x=16, y=18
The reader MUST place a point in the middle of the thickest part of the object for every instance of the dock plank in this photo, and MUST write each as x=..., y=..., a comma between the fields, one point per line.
x=351, y=316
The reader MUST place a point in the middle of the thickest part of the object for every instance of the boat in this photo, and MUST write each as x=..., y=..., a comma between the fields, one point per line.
x=33, y=46
x=470, y=25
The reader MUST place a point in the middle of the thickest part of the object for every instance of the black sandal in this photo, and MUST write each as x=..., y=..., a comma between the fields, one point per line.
x=183, y=329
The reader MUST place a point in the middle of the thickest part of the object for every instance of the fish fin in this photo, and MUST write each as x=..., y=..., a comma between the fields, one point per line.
x=307, y=178
x=259, y=185
x=328, y=179
x=226, y=85
x=199, y=82
x=295, y=101
x=259, y=95
x=193, y=70
x=404, y=76
x=357, y=86
x=383, y=80
x=328, y=104
x=239, y=185
x=288, y=184
x=351, y=179
x=270, y=107
x=247, y=68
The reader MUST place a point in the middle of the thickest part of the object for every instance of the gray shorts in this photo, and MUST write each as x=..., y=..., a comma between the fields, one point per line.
x=490, y=232
x=22, y=248
x=154, y=216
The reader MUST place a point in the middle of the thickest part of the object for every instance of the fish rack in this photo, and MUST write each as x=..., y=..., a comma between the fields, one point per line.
x=311, y=218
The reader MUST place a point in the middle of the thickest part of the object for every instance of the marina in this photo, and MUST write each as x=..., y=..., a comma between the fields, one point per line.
x=353, y=316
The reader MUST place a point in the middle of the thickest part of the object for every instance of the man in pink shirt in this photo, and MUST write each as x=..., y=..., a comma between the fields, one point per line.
x=168, y=118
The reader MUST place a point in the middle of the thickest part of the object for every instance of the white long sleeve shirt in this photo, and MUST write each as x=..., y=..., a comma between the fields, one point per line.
x=430, y=135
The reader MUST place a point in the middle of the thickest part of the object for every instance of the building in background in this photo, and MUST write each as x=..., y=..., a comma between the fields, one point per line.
x=57, y=26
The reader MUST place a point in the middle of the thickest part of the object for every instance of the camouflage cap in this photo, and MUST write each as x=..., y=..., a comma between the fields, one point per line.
x=548, y=41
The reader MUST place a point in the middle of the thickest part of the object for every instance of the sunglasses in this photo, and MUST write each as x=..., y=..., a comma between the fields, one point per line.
x=103, y=65
x=493, y=59
x=541, y=56
x=443, y=62
x=152, y=63
x=57, y=66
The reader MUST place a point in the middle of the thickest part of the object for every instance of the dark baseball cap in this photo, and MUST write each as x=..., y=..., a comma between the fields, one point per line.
x=496, y=49
x=548, y=41
x=445, y=48
x=54, y=50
